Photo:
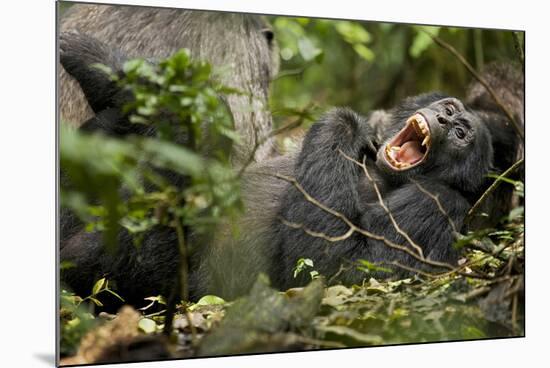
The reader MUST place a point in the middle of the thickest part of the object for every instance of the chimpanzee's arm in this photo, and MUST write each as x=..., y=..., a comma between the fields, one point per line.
x=78, y=53
x=321, y=168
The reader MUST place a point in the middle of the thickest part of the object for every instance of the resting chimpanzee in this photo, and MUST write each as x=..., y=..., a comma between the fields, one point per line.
x=432, y=146
x=433, y=143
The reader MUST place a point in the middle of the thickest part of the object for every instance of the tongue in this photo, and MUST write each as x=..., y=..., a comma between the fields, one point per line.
x=410, y=152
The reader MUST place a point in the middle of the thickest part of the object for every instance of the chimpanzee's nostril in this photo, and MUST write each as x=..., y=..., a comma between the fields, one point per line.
x=442, y=120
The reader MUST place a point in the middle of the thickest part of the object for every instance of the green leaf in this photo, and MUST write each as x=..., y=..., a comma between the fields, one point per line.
x=104, y=68
x=422, y=40
x=307, y=49
x=132, y=65
x=115, y=294
x=147, y=325
x=353, y=32
x=98, y=286
x=210, y=300
x=363, y=51
x=65, y=265
x=96, y=302
x=368, y=267
x=471, y=332
x=516, y=213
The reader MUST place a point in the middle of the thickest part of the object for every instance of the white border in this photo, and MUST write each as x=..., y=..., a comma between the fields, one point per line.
x=27, y=154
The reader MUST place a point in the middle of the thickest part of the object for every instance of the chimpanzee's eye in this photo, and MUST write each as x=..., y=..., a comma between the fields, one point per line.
x=449, y=109
x=460, y=133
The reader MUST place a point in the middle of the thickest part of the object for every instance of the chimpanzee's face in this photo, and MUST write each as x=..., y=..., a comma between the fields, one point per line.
x=437, y=140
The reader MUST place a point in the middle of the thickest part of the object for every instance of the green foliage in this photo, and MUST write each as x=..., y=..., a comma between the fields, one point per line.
x=394, y=312
x=293, y=41
x=147, y=325
x=179, y=90
x=367, y=65
x=357, y=36
x=76, y=317
x=111, y=182
x=302, y=264
x=263, y=320
x=210, y=300
x=154, y=301
x=422, y=40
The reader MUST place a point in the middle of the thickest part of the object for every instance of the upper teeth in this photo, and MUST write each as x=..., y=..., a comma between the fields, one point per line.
x=422, y=129
x=421, y=126
x=426, y=140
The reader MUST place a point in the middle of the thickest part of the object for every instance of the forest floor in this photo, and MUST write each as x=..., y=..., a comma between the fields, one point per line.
x=419, y=309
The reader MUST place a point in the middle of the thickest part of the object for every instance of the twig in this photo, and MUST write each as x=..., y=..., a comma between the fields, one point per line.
x=184, y=269
x=415, y=270
x=340, y=271
x=353, y=228
x=491, y=188
x=294, y=72
x=477, y=292
x=481, y=80
x=455, y=270
x=361, y=231
x=383, y=205
x=258, y=142
x=439, y=205
x=290, y=73
x=316, y=234
x=181, y=288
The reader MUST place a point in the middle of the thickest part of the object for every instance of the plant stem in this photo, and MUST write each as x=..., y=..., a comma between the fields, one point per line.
x=481, y=80
x=491, y=189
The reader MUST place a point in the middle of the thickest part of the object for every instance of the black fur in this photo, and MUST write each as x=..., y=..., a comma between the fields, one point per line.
x=451, y=172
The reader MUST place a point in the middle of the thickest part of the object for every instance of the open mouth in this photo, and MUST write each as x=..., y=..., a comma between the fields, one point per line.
x=410, y=146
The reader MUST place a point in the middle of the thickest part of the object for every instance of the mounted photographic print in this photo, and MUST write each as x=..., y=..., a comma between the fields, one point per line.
x=237, y=183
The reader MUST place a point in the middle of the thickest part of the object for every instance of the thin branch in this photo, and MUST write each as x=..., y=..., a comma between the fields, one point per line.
x=290, y=73
x=439, y=205
x=258, y=142
x=383, y=205
x=294, y=72
x=415, y=270
x=338, y=273
x=481, y=80
x=354, y=229
x=455, y=270
x=334, y=239
x=361, y=231
x=316, y=234
x=491, y=188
